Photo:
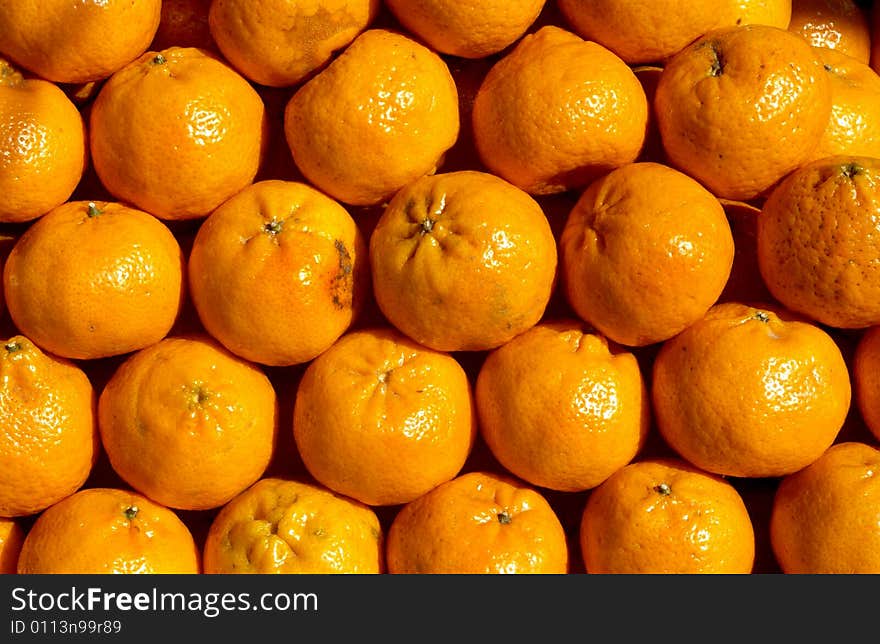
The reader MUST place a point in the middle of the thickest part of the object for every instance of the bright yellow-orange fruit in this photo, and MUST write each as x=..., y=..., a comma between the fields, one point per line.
x=291, y=527
x=11, y=538
x=176, y=133
x=645, y=252
x=558, y=111
x=184, y=23
x=561, y=407
x=108, y=531
x=664, y=516
x=278, y=272
x=382, y=114
x=866, y=378
x=49, y=441
x=824, y=518
x=841, y=25
x=383, y=420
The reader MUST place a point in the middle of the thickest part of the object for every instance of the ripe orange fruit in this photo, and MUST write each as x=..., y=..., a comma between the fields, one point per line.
x=557, y=111
x=750, y=392
x=278, y=272
x=279, y=42
x=292, y=527
x=824, y=518
x=477, y=523
x=645, y=252
x=745, y=283
x=664, y=516
x=116, y=280
x=462, y=261
x=187, y=423
x=593, y=392
x=176, y=133
x=652, y=32
x=866, y=378
x=68, y=41
x=854, y=126
x=817, y=246
x=742, y=107
x=382, y=114
x=42, y=146
x=184, y=23
x=468, y=30
x=381, y=419
x=841, y=25
x=11, y=538
x=108, y=531
x=49, y=441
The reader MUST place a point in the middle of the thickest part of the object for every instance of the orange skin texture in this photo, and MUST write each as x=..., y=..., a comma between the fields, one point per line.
x=866, y=379
x=187, y=423
x=381, y=115
x=184, y=23
x=280, y=526
x=42, y=146
x=478, y=523
x=88, y=286
x=825, y=518
x=108, y=531
x=176, y=133
x=278, y=298
x=854, y=127
x=281, y=42
x=645, y=252
x=469, y=29
x=841, y=25
x=817, y=242
x=383, y=420
x=750, y=392
x=11, y=539
x=76, y=41
x=463, y=261
x=561, y=407
x=664, y=516
x=557, y=111
x=640, y=36
x=742, y=107
x=49, y=441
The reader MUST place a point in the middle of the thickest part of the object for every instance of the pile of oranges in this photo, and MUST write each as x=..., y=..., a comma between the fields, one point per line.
x=562, y=286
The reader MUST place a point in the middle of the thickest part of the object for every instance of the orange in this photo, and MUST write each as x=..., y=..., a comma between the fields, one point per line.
x=854, y=126
x=652, y=150
x=478, y=523
x=817, y=245
x=188, y=424
x=176, y=133
x=745, y=283
x=875, y=40
x=866, y=378
x=116, y=280
x=561, y=407
x=49, y=441
x=824, y=518
x=42, y=146
x=183, y=23
x=467, y=29
x=278, y=272
x=281, y=42
x=382, y=114
x=742, y=107
x=11, y=538
x=652, y=32
x=108, y=531
x=71, y=41
x=381, y=419
x=750, y=392
x=841, y=25
x=645, y=252
x=462, y=261
x=664, y=516
x=291, y=527
x=557, y=111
